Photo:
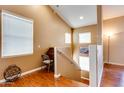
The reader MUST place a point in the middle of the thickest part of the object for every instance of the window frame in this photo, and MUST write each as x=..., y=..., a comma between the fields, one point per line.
x=1, y=35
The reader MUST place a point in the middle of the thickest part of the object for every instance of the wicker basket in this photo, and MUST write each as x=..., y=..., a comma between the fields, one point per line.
x=12, y=73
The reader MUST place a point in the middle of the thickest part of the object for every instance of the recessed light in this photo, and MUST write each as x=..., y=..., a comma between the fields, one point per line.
x=81, y=17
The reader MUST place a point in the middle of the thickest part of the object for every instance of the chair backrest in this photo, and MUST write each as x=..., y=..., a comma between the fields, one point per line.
x=45, y=57
x=50, y=53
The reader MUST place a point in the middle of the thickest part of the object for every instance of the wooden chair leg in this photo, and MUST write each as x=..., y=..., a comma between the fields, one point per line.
x=48, y=67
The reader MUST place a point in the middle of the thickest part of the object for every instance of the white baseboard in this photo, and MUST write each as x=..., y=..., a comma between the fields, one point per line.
x=114, y=63
x=57, y=75
x=34, y=70
x=27, y=72
x=2, y=80
x=85, y=78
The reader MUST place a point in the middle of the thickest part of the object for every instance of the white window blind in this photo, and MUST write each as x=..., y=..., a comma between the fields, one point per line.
x=85, y=37
x=17, y=35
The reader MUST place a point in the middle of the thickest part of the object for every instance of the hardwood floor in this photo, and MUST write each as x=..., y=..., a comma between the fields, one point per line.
x=43, y=79
x=113, y=76
x=85, y=81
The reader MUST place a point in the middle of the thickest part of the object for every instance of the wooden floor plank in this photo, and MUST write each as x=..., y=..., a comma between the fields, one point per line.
x=43, y=79
x=113, y=76
x=85, y=81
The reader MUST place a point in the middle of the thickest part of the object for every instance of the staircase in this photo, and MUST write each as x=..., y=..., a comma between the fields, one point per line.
x=66, y=66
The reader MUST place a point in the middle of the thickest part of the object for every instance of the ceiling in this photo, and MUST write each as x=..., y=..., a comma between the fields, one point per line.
x=111, y=11
x=71, y=14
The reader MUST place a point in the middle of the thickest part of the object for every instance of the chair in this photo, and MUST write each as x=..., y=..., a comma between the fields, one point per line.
x=47, y=61
x=50, y=53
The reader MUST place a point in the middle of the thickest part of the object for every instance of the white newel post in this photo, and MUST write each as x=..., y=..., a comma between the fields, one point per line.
x=93, y=65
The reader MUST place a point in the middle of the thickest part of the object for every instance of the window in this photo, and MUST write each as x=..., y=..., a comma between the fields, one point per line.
x=17, y=35
x=85, y=37
x=84, y=63
x=67, y=38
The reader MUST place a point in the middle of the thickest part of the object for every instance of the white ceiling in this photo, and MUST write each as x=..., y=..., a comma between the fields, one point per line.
x=71, y=14
x=111, y=11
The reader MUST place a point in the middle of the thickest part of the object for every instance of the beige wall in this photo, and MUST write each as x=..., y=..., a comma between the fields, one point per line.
x=116, y=26
x=49, y=31
x=99, y=25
